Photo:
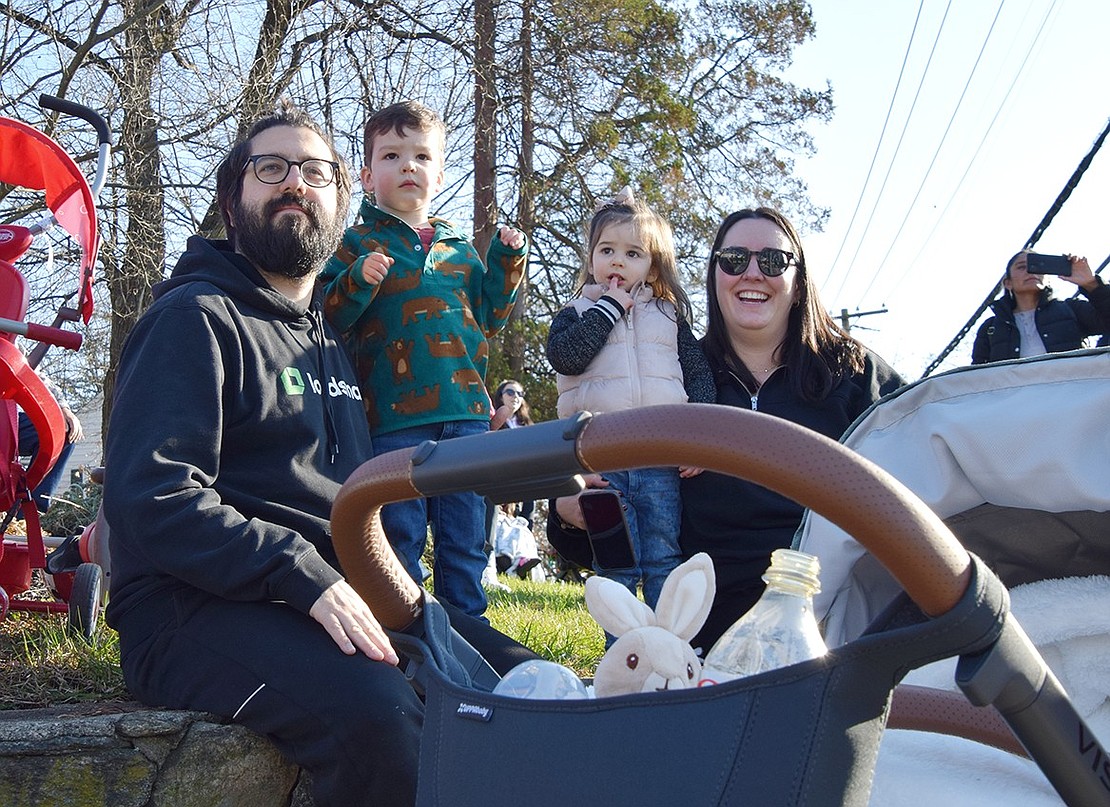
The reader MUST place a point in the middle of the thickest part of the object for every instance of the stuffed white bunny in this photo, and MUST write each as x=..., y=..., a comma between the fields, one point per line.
x=652, y=652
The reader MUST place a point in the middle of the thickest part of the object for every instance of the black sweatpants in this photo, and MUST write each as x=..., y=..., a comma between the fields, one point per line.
x=353, y=723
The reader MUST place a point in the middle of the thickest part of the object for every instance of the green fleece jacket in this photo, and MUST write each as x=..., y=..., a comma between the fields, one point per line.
x=419, y=339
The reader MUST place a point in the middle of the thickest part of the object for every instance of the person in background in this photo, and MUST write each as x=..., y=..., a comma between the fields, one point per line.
x=626, y=341
x=43, y=494
x=1029, y=321
x=772, y=348
x=416, y=306
x=237, y=417
x=510, y=411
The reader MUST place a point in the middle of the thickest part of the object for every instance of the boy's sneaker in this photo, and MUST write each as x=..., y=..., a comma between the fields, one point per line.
x=66, y=558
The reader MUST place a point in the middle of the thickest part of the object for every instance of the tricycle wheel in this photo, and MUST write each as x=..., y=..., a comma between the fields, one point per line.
x=3, y=603
x=85, y=600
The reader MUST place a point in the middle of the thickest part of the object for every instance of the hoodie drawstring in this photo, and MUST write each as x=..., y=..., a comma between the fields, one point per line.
x=329, y=420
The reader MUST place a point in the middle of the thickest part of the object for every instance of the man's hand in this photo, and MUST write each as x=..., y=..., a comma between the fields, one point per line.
x=351, y=623
x=375, y=266
x=511, y=237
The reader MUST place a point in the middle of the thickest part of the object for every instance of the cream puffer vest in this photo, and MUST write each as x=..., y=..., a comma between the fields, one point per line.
x=638, y=365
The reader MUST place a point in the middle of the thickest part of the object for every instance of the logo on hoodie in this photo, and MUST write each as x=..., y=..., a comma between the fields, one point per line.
x=292, y=381
x=294, y=384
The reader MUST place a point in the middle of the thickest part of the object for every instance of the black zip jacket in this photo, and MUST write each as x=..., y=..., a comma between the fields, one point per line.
x=739, y=523
x=236, y=418
x=1062, y=324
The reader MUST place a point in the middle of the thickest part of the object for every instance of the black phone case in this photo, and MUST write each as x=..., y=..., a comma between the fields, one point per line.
x=1038, y=264
x=607, y=530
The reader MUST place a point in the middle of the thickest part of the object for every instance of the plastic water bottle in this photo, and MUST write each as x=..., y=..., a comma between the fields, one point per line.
x=542, y=680
x=779, y=630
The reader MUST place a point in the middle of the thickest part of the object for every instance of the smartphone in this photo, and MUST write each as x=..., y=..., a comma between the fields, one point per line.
x=1037, y=264
x=607, y=529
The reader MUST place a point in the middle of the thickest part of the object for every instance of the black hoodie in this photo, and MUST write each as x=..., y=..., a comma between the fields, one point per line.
x=237, y=417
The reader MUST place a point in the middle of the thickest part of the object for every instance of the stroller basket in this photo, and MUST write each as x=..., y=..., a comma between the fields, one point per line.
x=802, y=735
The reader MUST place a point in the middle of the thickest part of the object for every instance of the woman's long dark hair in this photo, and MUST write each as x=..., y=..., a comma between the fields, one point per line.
x=816, y=351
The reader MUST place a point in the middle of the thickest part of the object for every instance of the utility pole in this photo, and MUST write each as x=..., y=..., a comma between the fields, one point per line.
x=845, y=316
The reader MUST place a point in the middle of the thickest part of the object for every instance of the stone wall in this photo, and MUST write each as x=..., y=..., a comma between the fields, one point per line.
x=125, y=755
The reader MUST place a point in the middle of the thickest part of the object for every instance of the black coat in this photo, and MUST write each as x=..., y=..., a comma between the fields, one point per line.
x=1062, y=324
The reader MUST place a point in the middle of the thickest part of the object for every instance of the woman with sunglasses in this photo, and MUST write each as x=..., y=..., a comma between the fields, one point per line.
x=772, y=348
x=510, y=411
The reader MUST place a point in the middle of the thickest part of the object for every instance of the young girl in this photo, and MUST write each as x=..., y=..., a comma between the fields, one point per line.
x=626, y=342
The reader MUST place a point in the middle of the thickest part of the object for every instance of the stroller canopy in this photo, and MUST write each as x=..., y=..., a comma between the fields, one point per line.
x=30, y=159
x=1013, y=456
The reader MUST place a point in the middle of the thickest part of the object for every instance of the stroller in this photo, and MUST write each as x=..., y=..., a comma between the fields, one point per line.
x=31, y=160
x=1013, y=456
x=808, y=734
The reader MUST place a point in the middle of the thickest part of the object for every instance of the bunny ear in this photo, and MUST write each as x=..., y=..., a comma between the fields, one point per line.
x=614, y=608
x=687, y=597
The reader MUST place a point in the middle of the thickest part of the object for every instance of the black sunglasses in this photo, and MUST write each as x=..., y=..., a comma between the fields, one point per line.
x=772, y=262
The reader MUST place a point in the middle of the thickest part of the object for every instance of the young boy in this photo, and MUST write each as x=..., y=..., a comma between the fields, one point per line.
x=416, y=305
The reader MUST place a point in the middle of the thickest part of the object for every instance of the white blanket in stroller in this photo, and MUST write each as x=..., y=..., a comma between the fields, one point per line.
x=1069, y=622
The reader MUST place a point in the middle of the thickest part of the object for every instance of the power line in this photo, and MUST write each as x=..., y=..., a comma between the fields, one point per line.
x=975, y=155
x=882, y=134
x=940, y=145
x=897, y=148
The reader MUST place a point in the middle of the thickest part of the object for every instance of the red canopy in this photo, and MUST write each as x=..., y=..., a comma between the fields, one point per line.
x=30, y=159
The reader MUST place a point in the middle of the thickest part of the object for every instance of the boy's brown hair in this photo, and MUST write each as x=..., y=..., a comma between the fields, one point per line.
x=398, y=117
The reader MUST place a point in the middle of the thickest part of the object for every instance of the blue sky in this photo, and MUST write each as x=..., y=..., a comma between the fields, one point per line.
x=1003, y=127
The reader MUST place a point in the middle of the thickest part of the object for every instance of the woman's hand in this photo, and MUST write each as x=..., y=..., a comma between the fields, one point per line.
x=1081, y=274
x=567, y=507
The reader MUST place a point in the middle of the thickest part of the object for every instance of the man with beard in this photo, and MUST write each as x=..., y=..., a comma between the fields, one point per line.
x=236, y=419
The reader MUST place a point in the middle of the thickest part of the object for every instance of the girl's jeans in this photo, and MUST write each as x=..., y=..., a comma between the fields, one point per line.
x=654, y=510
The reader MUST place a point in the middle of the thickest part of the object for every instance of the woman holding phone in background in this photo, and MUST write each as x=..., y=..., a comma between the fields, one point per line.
x=1028, y=321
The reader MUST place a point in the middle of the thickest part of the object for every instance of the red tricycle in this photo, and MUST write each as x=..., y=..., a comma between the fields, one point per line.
x=31, y=160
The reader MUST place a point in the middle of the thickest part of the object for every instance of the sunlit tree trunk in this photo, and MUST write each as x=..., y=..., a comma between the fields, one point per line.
x=526, y=208
x=485, y=123
x=144, y=255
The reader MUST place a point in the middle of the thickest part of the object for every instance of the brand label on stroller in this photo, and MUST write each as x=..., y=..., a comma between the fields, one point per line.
x=473, y=711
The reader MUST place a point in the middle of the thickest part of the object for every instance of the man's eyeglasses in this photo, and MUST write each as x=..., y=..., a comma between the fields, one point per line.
x=771, y=262
x=512, y=393
x=272, y=170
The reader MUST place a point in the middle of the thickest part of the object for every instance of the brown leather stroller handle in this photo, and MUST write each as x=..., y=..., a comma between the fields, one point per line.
x=818, y=473
x=367, y=559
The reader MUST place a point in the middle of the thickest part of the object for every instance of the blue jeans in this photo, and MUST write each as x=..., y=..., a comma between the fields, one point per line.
x=654, y=511
x=457, y=521
x=29, y=447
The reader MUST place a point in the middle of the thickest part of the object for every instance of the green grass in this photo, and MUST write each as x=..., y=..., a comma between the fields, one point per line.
x=41, y=664
x=551, y=618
